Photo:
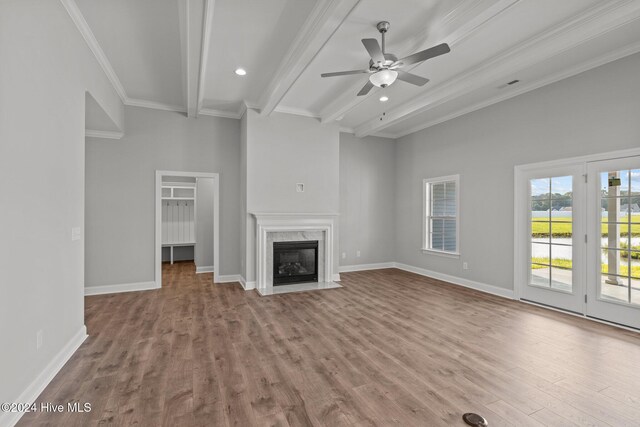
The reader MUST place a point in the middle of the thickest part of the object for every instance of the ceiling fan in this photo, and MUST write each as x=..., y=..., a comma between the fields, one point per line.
x=385, y=68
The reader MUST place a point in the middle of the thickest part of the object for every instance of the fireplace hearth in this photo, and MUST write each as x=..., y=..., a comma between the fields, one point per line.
x=295, y=262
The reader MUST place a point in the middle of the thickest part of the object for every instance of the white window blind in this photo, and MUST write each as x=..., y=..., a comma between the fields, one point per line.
x=441, y=202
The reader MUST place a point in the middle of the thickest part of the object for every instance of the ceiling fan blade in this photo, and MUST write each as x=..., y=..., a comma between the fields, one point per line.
x=365, y=89
x=373, y=47
x=411, y=78
x=343, y=73
x=423, y=55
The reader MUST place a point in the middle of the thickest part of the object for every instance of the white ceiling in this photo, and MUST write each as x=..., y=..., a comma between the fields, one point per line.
x=181, y=55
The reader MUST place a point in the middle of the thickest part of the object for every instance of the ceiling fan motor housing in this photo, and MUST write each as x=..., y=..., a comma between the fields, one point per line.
x=390, y=58
x=383, y=26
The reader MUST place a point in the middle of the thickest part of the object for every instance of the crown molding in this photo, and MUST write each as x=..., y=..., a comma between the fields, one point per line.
x=220, y=113
x=296, y=112
x=78, y=19
x=594, y=22
x=344, y=129
x=242, y=109
x=154, y=105
x=103, y=134
x=627, y=50
x=384, y=135
x=325, y=18
x=460, y=24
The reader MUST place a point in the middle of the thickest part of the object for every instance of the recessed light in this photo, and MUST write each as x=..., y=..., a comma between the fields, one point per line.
x=384, y=98
x=241, y=72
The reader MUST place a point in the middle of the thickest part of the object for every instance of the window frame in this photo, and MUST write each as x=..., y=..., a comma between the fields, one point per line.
x=427, y=183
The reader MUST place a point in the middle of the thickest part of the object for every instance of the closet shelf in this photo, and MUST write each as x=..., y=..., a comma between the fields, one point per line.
x=167, y=244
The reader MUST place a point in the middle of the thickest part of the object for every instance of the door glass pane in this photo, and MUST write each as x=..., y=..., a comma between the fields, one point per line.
x=620, y=228
x=540, y=253
x=614, y=288
x=551, y=222
x=540, y=187
x=562, y=265
x=611, y=209
x=561, y=186
x=540, y=231
x=539, y=275
x=561, y=232
x=635, y=200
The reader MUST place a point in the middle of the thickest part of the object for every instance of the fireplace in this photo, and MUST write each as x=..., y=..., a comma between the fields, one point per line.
x=295, y=262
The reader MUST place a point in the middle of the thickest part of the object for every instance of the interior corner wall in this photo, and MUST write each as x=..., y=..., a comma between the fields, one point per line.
x=367, y=200
x=594, y=112
x=283, y=150
x=120, y=187
x=45, y=71
x=244, y=217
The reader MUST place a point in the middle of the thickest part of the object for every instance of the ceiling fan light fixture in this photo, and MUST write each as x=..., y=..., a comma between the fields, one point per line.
x=383, y=78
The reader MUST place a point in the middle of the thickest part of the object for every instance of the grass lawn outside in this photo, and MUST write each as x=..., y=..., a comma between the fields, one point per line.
x=561, y=227
x=566, y=264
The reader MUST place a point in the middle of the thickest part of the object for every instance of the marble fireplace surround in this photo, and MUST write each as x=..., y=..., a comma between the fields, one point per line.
x=285, y=227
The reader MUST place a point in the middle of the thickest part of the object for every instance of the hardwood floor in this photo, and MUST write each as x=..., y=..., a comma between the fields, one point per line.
x=389, y=348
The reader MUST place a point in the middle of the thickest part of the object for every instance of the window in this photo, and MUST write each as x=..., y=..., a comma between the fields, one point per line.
x=441, y=214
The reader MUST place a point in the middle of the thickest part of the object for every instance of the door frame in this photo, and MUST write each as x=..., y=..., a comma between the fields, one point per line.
x=520, y=215
x=216, y=220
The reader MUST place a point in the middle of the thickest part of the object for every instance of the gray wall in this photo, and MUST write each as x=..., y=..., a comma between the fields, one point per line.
x=204, y=223
x=282, y=150
x=46, y=69
x=594, y=112
x=243, y=197
x=367, y=199
x=120, y=187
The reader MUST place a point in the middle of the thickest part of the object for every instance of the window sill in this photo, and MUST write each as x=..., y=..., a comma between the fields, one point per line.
x=441, y=253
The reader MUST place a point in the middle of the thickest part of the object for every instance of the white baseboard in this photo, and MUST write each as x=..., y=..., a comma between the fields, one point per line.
x=490, y=289
x=44, y=378
x=247, y=285
x=125, y=287
x=363, y=267
x=204, y=269
x=229, y=278
x=336, y=277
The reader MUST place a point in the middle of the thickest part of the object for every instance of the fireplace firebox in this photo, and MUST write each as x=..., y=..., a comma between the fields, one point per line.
x=295, y=262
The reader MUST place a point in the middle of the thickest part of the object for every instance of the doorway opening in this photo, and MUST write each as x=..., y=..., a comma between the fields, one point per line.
x=187, y=221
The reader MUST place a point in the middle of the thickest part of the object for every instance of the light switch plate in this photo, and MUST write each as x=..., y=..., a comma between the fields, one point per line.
x=300, y=187
x=76, y=233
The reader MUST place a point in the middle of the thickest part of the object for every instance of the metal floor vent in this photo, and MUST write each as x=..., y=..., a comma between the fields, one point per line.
x=474, y=420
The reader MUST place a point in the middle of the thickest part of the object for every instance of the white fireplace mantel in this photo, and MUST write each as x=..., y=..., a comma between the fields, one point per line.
x=291, y=222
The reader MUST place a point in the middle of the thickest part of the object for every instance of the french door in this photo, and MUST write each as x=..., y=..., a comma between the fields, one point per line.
x=613, y=273
x=550, y=243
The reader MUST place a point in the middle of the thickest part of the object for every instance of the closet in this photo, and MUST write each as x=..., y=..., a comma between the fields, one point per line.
x=178, y=218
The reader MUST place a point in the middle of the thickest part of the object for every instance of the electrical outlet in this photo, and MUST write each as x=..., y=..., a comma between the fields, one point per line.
x=358, y=254
x=465, y=266
x=344, y=255
x=39, y=339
